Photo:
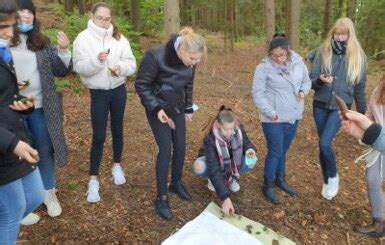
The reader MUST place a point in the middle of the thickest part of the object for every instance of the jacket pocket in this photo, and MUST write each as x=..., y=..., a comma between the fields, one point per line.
x=323, y=94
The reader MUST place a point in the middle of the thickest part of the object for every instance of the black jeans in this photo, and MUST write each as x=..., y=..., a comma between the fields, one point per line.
x=103, y=102
x=164, y=137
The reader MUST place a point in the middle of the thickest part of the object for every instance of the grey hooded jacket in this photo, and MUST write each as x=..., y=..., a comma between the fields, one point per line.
x=275, y=92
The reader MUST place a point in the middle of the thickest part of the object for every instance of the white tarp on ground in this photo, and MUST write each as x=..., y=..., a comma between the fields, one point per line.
x=211, y=227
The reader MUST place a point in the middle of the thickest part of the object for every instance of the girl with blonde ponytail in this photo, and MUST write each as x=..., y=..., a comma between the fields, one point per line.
x=339, y=68
x=165, y=86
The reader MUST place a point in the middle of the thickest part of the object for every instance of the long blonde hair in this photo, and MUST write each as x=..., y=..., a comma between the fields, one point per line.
x=355, y=55
x=193, y=42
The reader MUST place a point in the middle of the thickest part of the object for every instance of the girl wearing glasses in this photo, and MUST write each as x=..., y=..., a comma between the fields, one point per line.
x=103, y=58
x=280, y=84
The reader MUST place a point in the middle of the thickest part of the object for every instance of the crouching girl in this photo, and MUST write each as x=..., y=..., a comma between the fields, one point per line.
x=226, y=153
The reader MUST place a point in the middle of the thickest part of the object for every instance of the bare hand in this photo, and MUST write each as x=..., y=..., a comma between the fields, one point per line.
x=227, y=207
x=22, y=106
x=300, y=96
x=62, y=40
x=162, y=116
x=356, y=124
x=189, y=117
x=102, y=56
x=117, y=69
x=275, y=118
x=250, y=152
x=21, y=85
x=326, y=78
x=25, y=151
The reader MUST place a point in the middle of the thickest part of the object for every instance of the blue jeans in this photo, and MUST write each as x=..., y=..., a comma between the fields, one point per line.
x=205, y=173
x=36, y=124
x=328, y=123
x=18, y=199
x=278, y=138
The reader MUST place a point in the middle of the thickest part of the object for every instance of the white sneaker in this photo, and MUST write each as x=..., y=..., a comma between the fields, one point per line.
x=210, y=185
x=118, y=175
x=93, y=191
x=53, y=205
x=234, y=186
x=333, y=186
x=324, y=192
x=30, y=219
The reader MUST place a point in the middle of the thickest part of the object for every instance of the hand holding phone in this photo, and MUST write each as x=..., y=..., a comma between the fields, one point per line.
x=326, y=78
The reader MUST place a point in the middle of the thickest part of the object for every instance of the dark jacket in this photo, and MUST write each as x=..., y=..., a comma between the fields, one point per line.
x=12, y=129
x=50, y=65
x=164, y=82
x=216, y=173
x=323, y=96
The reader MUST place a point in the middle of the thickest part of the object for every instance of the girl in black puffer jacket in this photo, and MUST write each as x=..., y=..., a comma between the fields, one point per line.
x=165, y=86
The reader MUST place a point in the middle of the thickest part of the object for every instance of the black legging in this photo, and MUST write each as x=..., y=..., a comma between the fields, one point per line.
x=164, y=136
x=103, y=102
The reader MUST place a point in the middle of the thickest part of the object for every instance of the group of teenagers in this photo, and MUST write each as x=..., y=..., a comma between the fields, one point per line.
x=32, y=142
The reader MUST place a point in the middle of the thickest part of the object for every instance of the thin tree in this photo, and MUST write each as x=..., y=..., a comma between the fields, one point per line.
x=326, y=21
x=171, y=17
x=295, y=10
x=82, y=6
x=135, y=15
x=269, y=20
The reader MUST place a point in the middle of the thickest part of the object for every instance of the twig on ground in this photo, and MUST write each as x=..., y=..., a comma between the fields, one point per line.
x=348, y=238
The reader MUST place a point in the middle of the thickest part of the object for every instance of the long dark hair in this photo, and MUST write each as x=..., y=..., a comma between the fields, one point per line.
x=8, y=10
x=36, y=40
x=96, y=6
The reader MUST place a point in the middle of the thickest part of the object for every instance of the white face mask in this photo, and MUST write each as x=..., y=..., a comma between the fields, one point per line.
x=4, y=42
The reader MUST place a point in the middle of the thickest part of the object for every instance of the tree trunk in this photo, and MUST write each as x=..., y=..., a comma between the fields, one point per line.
x=287, y=12
x=326, y=22
x=135, y=15
x=82, y=7
x=352, y=5
x=69, y=6
x=171, y=17
x=295, y=10
x=269, y=20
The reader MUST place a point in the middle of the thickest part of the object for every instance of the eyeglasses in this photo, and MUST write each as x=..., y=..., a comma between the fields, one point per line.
x=101, y=19
x=277, y=56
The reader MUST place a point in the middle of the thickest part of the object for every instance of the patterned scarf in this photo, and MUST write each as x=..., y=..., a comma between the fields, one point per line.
x=338, y=47
x=230, y=161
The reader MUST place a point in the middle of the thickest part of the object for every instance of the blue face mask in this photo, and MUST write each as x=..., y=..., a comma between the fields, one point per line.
x=4, y=43
x=24, y=27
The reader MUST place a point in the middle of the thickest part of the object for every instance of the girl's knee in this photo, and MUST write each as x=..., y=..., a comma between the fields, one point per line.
x=199, y=167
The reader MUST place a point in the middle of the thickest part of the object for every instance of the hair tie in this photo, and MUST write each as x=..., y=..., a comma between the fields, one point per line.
x=178, y=42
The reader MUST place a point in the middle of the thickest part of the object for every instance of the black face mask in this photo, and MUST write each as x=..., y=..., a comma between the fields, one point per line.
x=339, y=47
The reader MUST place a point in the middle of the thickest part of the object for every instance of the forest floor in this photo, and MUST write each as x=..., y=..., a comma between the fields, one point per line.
x=125, y=213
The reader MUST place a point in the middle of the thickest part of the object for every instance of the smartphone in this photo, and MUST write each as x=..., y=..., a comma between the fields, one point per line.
x=342, y=106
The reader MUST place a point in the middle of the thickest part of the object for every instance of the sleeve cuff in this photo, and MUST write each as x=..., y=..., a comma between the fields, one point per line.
x=156, y=110
x=371, y=134
x=224, y=196
x=188, y=110
x=13, y=144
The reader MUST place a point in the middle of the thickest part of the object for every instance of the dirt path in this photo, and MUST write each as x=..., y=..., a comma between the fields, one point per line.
x=125, y=214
